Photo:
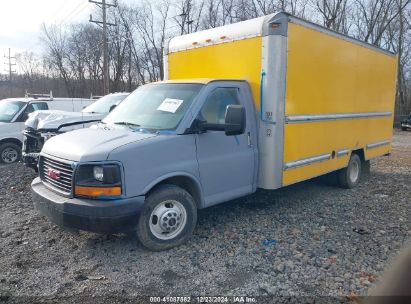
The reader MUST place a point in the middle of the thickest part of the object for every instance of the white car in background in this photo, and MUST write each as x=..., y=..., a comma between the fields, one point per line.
x=41, y=125
x=15, y=111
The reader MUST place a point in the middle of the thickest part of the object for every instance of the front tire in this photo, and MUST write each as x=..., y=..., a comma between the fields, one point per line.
x=9, y=153
x=349, y=177
x=167, y=219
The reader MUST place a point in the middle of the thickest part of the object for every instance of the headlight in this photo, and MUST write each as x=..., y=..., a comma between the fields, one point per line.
x=98, y=173
x=98, y=181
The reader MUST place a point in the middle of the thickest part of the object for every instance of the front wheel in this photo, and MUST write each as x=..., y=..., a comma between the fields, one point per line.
x=167, y=219
x=9, y=153
x=349, y=177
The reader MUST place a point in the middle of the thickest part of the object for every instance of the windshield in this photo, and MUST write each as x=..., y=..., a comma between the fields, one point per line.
x=103, y=104
x=9, y=108
x=155, y=106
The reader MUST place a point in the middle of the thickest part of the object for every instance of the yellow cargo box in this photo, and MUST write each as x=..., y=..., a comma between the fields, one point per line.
x=320, y=95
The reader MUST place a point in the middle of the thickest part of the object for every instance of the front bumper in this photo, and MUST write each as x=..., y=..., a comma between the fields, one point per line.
x=84, y=214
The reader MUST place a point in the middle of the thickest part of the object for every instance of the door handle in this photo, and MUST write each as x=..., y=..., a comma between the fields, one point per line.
x=249, y=139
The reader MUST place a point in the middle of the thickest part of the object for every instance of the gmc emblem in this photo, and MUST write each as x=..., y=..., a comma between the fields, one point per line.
x=54, y=174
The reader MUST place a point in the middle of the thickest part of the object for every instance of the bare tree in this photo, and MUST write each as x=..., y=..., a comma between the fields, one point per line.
x=374, y=16
x=153, y=35
x=73, y=54
x=188, y=15
x=213, y=14
x=55, y=40
x=334, y=14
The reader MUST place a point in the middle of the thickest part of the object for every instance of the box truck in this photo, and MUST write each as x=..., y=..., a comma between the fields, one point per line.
x=263, y=103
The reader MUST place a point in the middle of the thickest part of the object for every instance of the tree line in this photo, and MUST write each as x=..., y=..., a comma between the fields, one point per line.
x=71, y=63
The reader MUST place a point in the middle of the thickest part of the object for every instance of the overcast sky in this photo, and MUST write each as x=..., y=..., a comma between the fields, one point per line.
x=21, y=20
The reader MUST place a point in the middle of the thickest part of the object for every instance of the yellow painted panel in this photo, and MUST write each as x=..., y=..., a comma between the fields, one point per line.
x=378, y=151
x=330, y=75
x=303, y=140
x=295, y=175
x=239, y=59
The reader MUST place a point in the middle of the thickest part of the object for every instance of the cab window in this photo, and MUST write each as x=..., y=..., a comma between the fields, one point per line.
x=36, y=106
x=215, y=106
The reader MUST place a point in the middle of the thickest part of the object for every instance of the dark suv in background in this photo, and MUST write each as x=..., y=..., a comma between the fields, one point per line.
x=406, y=123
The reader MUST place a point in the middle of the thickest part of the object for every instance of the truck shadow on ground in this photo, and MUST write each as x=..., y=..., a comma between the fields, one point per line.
x=260, y=200
x=231, y=235
x=227, y=249
x=290, y=199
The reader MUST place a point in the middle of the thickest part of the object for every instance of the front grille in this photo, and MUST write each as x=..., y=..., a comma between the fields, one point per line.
x=62, y=184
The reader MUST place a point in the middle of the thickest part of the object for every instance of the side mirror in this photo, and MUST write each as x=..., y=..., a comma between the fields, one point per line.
x=235, y=120
x=112, y=107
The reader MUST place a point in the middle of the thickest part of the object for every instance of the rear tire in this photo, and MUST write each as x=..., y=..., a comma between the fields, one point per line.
x=9, y=153
x=349, y=177
x=167, y=219
x=404, y=128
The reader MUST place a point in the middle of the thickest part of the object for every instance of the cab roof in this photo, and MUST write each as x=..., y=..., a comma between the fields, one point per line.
x=30, y=99
x=23, y=99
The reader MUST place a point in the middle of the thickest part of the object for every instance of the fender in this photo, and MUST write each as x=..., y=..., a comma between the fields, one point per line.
x=11, y=139
x=162, y=178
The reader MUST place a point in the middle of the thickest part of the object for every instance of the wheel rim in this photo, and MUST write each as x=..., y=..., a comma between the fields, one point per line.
x=168, y=219
x=9, y=155
x=354, y=172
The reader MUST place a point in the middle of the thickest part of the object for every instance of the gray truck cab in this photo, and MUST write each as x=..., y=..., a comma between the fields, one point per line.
x=169, y=149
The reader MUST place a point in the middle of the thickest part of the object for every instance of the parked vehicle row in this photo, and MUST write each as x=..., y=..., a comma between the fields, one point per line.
x=263, y=103
x=15, y=111
x=42, y=125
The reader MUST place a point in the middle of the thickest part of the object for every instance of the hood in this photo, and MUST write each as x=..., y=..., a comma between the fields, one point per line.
x=91, y=144
x=51, y=119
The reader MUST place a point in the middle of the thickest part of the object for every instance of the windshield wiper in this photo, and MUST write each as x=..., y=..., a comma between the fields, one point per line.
x=126, y=123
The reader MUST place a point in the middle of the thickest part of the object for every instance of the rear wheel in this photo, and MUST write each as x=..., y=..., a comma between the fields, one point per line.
x=168, y=218
x=349, y=177
x=9, y=153
x=404, y=128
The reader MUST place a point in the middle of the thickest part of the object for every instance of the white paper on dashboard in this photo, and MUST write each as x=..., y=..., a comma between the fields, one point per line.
x=170, y=105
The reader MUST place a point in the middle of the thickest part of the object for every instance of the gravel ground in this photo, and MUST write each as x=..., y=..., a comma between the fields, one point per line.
x=327, y=242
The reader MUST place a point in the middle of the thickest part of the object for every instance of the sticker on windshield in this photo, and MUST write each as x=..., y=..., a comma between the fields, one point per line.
x=170, y=105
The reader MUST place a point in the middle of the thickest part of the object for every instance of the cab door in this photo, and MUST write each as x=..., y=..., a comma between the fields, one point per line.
x=226, y=163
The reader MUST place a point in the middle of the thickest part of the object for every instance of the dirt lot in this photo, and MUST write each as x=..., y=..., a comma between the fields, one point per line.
x=326, y=241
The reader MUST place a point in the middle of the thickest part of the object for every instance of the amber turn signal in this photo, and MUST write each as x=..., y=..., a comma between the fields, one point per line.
x=97, y=191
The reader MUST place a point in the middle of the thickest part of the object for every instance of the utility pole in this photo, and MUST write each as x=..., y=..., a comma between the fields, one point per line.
x=10, y=69
x=104, y=5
